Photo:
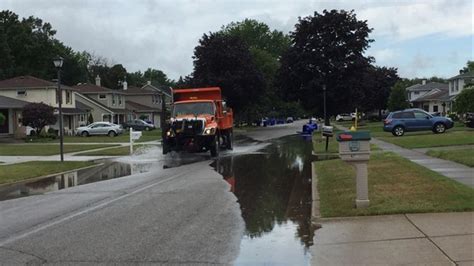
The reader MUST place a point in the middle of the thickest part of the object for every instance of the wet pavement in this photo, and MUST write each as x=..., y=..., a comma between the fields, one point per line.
x=272, y=182
x=273, y=189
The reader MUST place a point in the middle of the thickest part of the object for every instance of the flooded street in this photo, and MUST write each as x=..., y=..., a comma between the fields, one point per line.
x=270, y=180
x=274, y=192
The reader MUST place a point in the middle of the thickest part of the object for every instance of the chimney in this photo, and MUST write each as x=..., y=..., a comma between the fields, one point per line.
x=423, y=82
x=97, y=80
x=125, y=85
x=148, y=82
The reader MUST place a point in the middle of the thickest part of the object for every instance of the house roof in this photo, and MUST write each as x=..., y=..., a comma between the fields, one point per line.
x=137, y=107
x=469, y=74
x=147, y=90
x=108, y=109
x=434, y=95
x=80, y=105
x=7, y=102
x=29, y=82
x=428, y=86
x=88, y=88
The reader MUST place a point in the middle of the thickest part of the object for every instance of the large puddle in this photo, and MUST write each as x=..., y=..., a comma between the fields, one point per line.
x=274, y=192
x=271, y=181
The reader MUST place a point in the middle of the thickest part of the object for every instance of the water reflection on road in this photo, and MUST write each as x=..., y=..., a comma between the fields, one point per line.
x=104, y=171
x=274, y=192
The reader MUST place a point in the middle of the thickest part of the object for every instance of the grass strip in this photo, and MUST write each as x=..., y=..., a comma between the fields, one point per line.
x=21, y=171
x=396, y=185
x=462, y=156
x=44, y=149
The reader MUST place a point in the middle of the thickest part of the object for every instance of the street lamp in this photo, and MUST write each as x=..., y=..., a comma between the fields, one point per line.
x=58, y=63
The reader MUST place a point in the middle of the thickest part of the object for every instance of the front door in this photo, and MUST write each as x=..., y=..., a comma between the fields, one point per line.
x=4, y=127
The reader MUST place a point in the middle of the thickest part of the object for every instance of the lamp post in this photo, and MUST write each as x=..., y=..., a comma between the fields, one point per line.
x=58, y=63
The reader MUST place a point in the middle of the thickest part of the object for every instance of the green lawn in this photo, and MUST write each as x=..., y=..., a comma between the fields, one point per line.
x=44, y=149
x=463, y=156
x=428, y=139
x=119, y=151
x=147, y=136
x=396, y=185
x=20, y=171
x=125, y=137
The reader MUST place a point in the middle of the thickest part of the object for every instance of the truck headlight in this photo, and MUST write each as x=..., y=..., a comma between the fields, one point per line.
x=170, y=133
x=210, y=131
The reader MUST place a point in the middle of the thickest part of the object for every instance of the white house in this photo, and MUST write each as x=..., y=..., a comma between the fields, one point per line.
x=35, y=90
x=432, y=97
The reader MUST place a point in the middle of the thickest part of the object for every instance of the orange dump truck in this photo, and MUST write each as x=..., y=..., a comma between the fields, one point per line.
x=200, y=121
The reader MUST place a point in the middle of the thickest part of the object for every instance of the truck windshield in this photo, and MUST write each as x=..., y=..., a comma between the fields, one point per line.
x=198, y=108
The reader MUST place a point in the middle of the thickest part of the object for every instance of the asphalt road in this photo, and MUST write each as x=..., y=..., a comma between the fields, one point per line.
x=177, y=215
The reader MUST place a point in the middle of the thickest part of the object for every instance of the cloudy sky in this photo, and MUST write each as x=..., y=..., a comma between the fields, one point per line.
x=421, y=38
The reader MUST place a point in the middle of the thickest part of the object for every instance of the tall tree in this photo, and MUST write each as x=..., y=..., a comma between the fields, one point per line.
x=465, y=100
x=225, y=61
x=398, y=96
x=327, y=49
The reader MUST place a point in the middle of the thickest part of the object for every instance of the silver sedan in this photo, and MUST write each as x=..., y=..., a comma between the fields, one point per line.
x=100, y=128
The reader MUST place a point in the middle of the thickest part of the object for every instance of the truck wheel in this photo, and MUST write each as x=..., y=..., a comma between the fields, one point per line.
x=215, y=146
x=230, y=140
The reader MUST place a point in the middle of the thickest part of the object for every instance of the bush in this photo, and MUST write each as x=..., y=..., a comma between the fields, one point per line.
x=453, y=116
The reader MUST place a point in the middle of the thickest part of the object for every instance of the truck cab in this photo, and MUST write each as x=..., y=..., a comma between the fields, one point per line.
x=200, y=121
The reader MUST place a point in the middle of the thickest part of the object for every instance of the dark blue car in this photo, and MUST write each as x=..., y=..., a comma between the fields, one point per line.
x=408, y=120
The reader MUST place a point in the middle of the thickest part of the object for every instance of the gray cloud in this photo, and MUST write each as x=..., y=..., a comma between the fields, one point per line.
x=163, y=34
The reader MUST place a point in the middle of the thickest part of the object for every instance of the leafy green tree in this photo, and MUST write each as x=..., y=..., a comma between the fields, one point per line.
x=266, y=47
x=464, y=102
x=398, y=97
x=327, y=49
x=38, y=115
x=225, y=61
x=468, y=68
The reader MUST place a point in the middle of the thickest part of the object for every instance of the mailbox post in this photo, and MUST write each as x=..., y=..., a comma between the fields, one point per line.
x=327, y=132
x=134, y=135
x=354, y=148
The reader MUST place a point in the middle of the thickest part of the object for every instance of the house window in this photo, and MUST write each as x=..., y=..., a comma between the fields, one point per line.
x=119, y=99
x=417, y=92
x=435, y=108
x=102, y=96
x=21, y=93
x=156, y=99
x=113, y=99
x=68, y=97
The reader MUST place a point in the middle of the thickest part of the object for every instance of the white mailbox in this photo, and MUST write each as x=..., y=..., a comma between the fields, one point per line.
x=135, y=135
x=328, y=131
x=354, y=148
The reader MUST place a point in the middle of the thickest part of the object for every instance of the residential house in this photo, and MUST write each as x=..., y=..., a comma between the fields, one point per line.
x=145, y=102
x=30, y=89
x=457, y=83
x=11, y=109
x=106, y=104
x=432, y=97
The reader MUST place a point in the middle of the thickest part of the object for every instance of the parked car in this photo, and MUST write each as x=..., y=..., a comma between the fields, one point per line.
x=138, y=124
x=289, y=119
x=415, y=120
x=469, y=121
x=345, y=117
x=100, y=128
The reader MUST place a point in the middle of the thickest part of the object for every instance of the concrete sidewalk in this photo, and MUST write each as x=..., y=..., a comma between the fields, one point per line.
x=427, y=239
x=455, y=171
